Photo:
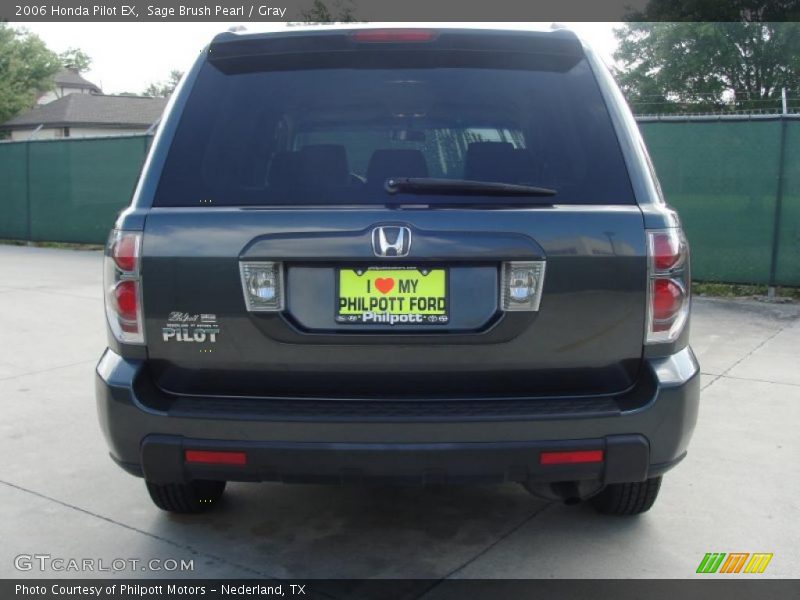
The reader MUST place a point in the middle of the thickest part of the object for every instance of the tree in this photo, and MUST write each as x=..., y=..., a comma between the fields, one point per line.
x=703, y=66
x=718, y=10
x=26, y=70
x=341, y=11
x=75, y=58
x=164, y=89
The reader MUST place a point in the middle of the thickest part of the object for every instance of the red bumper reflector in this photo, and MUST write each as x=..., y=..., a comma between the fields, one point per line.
x=566, y=458
x=215, y=458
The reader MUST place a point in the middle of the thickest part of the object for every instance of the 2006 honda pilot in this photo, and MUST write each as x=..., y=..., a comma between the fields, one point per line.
x=430, y=256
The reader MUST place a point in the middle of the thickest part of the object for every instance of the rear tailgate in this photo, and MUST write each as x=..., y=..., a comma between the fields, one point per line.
x=283, y=150
x=585, y=338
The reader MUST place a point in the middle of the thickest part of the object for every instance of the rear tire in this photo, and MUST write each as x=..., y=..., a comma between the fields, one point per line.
x=191, y=497
x=627, y=498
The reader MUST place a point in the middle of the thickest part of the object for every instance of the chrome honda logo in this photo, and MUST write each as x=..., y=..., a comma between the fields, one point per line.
x=391, y=241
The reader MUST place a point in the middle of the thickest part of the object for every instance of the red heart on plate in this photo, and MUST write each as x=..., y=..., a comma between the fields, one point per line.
x=384, y=285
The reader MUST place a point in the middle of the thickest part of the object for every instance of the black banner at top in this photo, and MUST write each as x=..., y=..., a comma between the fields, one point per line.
x=239, y=11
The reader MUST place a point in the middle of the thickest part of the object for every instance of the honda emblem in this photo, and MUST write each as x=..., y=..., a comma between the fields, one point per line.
x=391, y=241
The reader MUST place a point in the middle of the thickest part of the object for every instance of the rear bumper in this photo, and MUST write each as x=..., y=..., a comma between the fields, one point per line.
x=641, y=434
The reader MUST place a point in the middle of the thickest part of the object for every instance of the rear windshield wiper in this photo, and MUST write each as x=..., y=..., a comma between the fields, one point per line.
x=462, y=187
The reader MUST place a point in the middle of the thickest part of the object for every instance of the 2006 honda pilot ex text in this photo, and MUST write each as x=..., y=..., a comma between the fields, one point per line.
x=426, y=256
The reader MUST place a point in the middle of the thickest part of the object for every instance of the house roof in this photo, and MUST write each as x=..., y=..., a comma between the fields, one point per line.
x=92, y=110
x=72, y=78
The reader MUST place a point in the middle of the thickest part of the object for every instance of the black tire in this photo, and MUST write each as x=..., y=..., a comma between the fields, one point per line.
x=627, y=498
x=191, y=497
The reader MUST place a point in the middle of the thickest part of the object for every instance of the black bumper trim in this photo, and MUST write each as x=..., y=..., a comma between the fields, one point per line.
x=626, y=458
x=660, y=468
x=384, y=410
x=129, y=414
x=129, y=467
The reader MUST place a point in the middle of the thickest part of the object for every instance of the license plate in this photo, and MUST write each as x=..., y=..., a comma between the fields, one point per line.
x=393, y=296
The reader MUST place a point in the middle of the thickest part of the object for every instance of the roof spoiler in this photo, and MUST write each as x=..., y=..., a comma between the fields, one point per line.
x=552, y=50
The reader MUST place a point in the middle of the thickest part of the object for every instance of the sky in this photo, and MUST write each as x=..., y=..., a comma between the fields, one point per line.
x=127, y=57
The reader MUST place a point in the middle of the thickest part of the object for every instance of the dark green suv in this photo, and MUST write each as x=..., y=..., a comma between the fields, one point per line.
x=403, y=255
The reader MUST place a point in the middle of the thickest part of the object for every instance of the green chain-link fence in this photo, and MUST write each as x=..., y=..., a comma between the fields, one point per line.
x=731, y=180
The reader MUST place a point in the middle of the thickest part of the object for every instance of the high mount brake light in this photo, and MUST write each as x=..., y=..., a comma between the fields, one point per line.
x=123, y=286
x=393, y=35
x=668, y=285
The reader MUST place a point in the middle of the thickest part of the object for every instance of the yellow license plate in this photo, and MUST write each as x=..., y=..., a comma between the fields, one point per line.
x=393, y=296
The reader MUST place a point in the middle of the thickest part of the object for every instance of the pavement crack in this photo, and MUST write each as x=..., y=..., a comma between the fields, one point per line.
x=39, y=290
x=483, y=552
x=745, y=357
x=47, y=370
x=759, y=380
x=716, y=377
x=186, y=547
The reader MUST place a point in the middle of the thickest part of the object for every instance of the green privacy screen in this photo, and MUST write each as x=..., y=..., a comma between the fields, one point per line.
x=67, y=190
x=788, y=260
x=722, y=176
x=13, y=191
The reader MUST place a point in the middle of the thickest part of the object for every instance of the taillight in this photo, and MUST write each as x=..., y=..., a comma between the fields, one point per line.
x=125, y=300
x=124, y=252
x=122, y=282
x=392, y=35
x=666, y=249
x=667, y=302
x=262, y=283
x=521, y=285
x=668, y=286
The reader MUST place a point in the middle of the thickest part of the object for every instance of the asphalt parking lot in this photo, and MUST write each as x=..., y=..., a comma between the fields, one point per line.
x=737, y=491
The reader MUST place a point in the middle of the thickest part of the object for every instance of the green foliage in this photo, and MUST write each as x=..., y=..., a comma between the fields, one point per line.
x=164, y=89
x=339, y=11
x=75, y=58
x=677, y=66
x=718, y=10
x=740, y=290
x=26, y=70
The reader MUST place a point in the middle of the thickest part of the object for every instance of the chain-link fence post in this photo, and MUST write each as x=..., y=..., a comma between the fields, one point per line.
x=776, y=229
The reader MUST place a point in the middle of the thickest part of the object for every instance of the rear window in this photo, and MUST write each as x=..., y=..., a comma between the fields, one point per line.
x=335, y=135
